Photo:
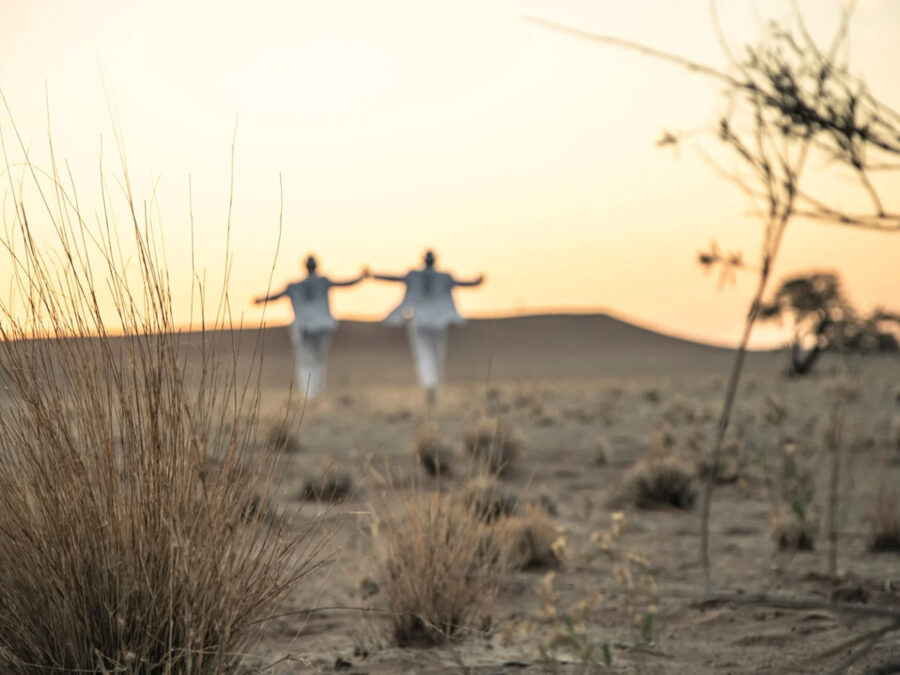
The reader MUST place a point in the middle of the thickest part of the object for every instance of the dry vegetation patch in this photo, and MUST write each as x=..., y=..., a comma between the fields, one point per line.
x=436, y=566
x=658, y=482
x=433, y=452
x=494, y=444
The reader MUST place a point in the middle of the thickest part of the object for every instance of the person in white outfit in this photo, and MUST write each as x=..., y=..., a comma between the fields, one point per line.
x=428, y=311
x=313, y=325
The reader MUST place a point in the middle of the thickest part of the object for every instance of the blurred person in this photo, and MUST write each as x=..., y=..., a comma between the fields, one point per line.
x=313, y=324
x=428, y=311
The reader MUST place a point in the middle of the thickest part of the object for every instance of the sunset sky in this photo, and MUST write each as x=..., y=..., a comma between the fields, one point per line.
x=399, y=125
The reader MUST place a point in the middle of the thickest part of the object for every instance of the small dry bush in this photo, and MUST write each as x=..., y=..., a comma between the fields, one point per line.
x=488, y=500
x=794, y=528
x=494, y=444
x=119, y=550
x=658, y=482
x=283, y=440
x=332, y=485
x=436, y=568
x=730, y=466
x=432, y=450
x=885, y=519
x=603, y=450
x=530, y=541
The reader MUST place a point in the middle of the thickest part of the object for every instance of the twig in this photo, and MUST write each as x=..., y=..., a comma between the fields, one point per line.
x=782, y=602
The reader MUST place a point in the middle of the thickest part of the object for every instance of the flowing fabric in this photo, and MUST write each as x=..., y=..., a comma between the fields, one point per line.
x=428, y=301
x=429, y=346
x=311, y=353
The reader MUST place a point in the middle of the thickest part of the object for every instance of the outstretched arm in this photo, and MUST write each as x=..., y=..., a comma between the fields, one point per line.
x=388, y=277
x=352, y=282
x=469, y=282
x=267, y=298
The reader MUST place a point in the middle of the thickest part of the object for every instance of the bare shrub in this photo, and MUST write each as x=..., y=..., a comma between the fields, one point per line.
x=436, y=565
x=283, y=440
x=603, y=450
x=332, y=485
x=529, y=541
x=433, y=452
x=885, y=518
x=657, y=482
x=488, y=500
x=494, y=444
x=794, y=528
x=119, y=550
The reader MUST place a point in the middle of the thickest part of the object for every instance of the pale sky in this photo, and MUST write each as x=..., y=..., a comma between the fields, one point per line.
x=454, y=124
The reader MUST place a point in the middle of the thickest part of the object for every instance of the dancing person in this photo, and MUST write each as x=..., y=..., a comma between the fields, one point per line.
x=313, y=324
x=428, y=310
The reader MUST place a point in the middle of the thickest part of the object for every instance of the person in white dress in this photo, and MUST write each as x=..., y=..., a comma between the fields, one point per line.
x=313, y=324
x=428, y=311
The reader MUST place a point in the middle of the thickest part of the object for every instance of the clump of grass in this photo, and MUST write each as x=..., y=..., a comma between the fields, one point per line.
x=794, y=527
x=885, y=519
x=436, y=566
x=603, y=450
x=494, y=444
x=487, y=499
x=729, y=468
x=658, y=482
x=530, y=541
x=119, y=551
x=433, y=452
x=282, y=439
x=680, y=411
x=329, y=486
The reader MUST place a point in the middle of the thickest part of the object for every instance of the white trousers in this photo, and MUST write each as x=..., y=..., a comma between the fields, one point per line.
x=310, y=353
x=429, y=347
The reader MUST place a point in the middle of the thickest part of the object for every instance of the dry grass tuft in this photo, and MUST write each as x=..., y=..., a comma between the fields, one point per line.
x=487, y=499
x=120, y=551
x=603, y=450
x=431, y=449
x=329, y=486
x=658, y=482
x=494, y=444
x=885, y=518
x=794, y=528
x=282, y=440
x=729, y=468
x=895, y=432
x=530, y=541
x=437, y=568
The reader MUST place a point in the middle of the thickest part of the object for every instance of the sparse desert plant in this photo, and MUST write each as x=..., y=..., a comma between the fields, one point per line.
x=789, y=101
x=119, y=552
x=658, y=482
x=494, y=444
x=433, y=452
x=730, y=467
x=529, y=541
x=488, y=500
x=680, y=410
x=662, y=441
x=282, y=439
x=794, y=527
x=603, y=452
x=885, y=519
x=436, y=567
x=332, y=485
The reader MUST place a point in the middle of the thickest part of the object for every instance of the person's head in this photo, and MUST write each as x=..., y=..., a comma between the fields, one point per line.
x=311, y=264
x=429, y=258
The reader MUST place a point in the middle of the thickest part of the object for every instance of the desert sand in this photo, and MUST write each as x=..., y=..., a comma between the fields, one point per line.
x=568, y=384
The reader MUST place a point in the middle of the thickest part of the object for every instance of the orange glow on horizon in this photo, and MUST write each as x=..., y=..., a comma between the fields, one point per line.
x=513, y=151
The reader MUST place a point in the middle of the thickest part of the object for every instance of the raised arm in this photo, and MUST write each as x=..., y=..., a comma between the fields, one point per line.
x=469, y=282
x=268, y=298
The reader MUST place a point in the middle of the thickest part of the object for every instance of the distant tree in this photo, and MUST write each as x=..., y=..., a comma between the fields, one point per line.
x=822, y=318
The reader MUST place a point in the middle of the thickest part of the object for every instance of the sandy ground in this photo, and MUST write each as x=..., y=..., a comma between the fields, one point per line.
x=568, y=384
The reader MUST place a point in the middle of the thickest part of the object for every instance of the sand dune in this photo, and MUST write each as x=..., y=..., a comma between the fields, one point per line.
x=526, y=347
